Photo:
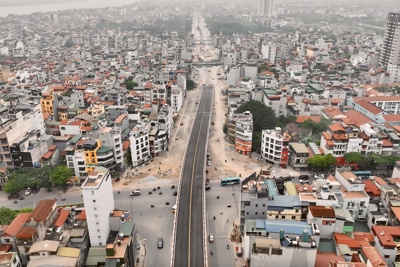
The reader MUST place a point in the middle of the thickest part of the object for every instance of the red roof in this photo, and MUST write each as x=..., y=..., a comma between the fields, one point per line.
x=62, y=217
x=82, y=216
x=385, y=234
x=371, y=189
x=346, y=240
x=17, y=224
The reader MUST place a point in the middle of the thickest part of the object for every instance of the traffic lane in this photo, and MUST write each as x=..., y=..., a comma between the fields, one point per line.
x=197, y=236
x=151, y=223
x=183, y=234
x=223, y=223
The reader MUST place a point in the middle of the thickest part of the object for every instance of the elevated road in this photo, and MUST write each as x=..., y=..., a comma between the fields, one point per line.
x=189, y=238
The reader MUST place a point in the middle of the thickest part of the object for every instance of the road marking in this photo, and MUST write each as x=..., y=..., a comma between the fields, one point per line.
x=191, y=182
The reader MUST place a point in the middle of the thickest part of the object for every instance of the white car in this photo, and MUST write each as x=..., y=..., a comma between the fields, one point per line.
x=135, y=192
x=211, y=238
x=28, y=191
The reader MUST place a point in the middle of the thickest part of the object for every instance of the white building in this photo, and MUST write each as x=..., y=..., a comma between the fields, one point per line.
x=176, y=98
x=233, y=76
x=274, y=147
x=139, y=142
x=99, y=202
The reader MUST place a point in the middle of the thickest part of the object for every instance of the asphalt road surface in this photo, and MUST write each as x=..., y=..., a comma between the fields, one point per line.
x=189, y=242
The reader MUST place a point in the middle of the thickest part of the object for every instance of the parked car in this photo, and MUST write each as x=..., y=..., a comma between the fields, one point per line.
x=303, y=178
x=28, y=191
x=13, y=196
x=175, y=193
x=160, y=242
x=135, y=192
x=211, y=238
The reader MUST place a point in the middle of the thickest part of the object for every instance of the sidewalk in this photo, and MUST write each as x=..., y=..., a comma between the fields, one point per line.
x=141, y=253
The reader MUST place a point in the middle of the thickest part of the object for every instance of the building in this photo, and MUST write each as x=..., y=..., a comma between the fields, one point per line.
x=139, y=143
x=266, y=7
x=390, y=53
x=240, y=132
x=298, y=155
x=99, y=202
x=386, y=243
x=46, y=102
x=274, y=147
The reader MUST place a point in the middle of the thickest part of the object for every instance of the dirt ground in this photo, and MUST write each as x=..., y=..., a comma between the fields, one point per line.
x=225, y=162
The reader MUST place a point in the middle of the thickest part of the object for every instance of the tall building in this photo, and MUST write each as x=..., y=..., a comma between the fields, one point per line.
x=99, y=202
x=266, y=7
x=390, y=53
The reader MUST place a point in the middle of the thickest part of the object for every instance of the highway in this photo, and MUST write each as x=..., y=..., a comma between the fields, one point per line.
x=189, y=239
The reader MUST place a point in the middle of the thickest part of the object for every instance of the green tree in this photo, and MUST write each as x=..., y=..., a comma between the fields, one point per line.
x=190, y=84
x=353, y=157
x=263, y=116
x=60, y=175
x=256, y=141
x=321, y=162
x=130, y=85
x=24, y=210
x=7, y=215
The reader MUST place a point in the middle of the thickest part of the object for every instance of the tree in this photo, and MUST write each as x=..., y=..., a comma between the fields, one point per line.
x=60, y=175
x=353, y=157
x=322, y=163
x=190, y=84
x=7, y=215
x=263, y=116
x=130, y=85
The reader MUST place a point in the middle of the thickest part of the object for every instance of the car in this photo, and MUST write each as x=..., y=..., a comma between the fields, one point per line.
x=210, y=238
x=175, y=193
x=135, y=193
x=13, y=196
x=137, y=246
x=160, y=242
x=208, y=163
x=28, y=191
x=181, y=124
x=303, y=178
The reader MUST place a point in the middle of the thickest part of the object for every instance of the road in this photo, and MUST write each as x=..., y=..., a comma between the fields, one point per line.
x=189, y=242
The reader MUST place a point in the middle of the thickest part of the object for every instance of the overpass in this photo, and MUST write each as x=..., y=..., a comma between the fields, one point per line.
x=189, y=249
x=207, y=63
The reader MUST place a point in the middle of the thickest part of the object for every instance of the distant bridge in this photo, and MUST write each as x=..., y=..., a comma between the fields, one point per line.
x=207, y=63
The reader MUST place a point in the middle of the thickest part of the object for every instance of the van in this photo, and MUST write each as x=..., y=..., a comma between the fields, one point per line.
x=160, y=242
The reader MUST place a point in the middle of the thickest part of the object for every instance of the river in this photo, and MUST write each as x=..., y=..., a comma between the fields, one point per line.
x=19, y=7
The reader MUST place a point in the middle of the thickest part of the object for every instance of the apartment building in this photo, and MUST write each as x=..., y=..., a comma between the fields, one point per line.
x=298, y=155
x=240, y=132
x=98, y=198
x=274, y=147
x=16, y=126
x=391, y=42
x=139, y=143
x=46, y=102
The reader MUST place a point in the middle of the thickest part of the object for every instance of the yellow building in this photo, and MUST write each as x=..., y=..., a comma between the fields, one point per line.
x=96, y=110
x=90, y=148
x=46, y=102
x=4, y=73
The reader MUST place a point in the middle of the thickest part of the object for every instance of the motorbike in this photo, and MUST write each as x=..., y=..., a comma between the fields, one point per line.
x=173, y=186
x=154, y=189
x=212, y=252
x=158, y=187
x=119, y=192
x=150, y=193
x=217, y=197
x=15, y=202
x=227, y=246
x=63, y=199
x=160, y=193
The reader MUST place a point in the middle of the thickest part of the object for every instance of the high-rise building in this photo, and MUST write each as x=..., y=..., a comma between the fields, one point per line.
x=390, y=53
x=99, y=202
x=266, y=7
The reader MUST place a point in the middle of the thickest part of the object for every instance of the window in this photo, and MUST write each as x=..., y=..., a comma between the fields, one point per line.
x=263, y=205
x=276, y=216
x=283, y=217
x=263, y=213
x=99, y=237
x=7, y=240
x=97, y=223
x=387, y=256
x=92, y=192
x=62, y=128
x=247, y=213
x=98, y=230
x=256, y=213
x=96, y=216
x=94, y=200
x=293, y=217
x=256, y=205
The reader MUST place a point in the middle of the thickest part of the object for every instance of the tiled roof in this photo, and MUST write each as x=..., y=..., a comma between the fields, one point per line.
x=369, y=107
x=17, y=224
x=345, y=239
x=357, y=117
x=385, y=234
x=374, y=257
x=396, y=212
x=371, y=188
x=62, y=217
x=322, y=211
x=43, y=209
